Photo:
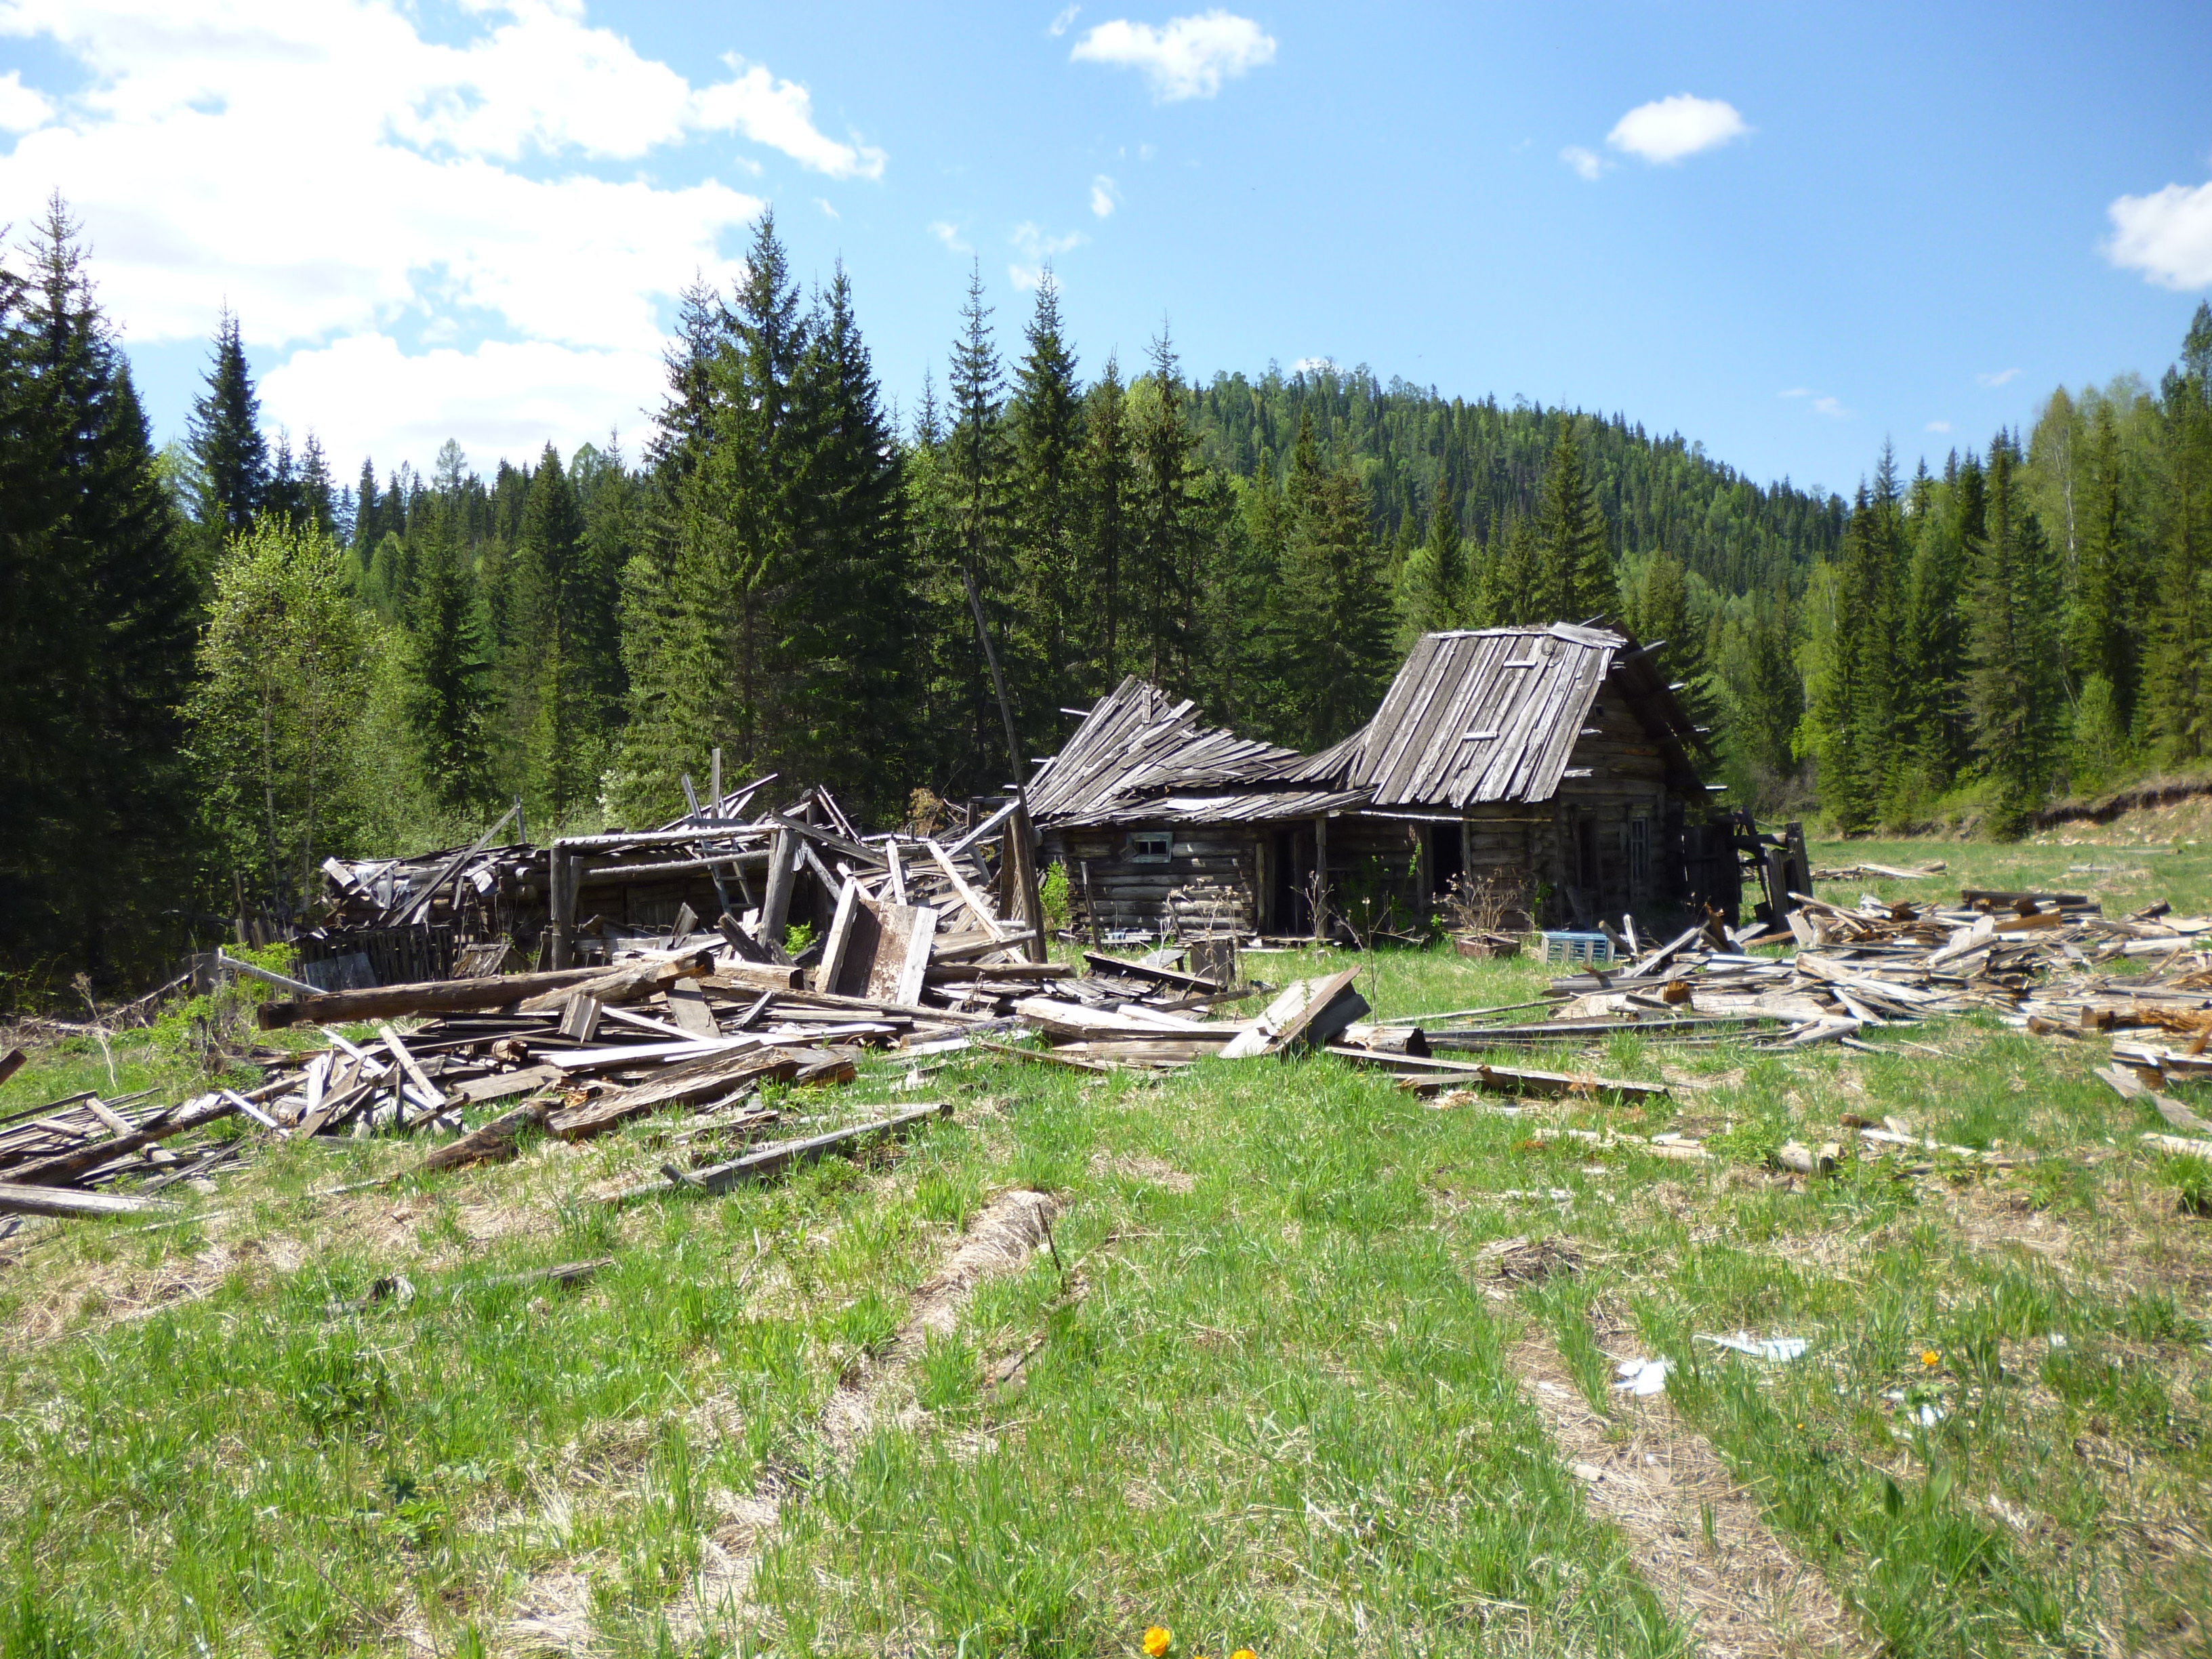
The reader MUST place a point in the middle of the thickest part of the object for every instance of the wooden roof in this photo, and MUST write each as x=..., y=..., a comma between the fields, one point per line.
x=1492, y=714
x=1140, y=758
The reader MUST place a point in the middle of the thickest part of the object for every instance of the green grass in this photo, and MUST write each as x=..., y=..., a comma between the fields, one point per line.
x=1273, y=1410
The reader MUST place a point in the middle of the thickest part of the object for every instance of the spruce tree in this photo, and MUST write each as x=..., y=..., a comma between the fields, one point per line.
x=1169, y=542
x=2180, y=691
x=1570, y=535
x=449, y=671
x=1108, y=480
x=1046, y=415
x=2013, y=689
x=977, y=487
x=227, y=442
x=1433, y=586
x=556, y=684
x=1338, y=618
x=850, y=641
x=97, y=606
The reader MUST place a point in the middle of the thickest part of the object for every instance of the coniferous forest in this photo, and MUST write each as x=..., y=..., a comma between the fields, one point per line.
x=225, y=662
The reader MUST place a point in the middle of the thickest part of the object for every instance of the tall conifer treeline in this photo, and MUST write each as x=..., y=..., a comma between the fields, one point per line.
x=221, y=670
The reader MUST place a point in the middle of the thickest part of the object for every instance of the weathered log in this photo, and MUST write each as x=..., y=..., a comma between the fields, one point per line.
x=16, y=1199
x=434, y=997
x=487, y=1142
x=774, y=1160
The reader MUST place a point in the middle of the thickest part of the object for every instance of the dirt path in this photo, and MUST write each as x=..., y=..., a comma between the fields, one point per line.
x=553, y=1613
x=1697, y=1537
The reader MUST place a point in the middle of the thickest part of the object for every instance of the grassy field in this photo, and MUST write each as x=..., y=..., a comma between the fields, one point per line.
x=1264, y=1388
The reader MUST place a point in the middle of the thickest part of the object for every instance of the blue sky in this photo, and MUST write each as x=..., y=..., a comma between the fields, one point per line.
x=1785, y=234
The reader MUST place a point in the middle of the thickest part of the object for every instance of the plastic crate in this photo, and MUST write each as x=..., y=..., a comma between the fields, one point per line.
x=1569, y=949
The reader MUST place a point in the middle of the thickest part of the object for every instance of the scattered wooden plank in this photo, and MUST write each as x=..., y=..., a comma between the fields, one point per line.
x=1513, y=1079
x=67, y=1166
x=18, y=1198
x=790, y=1154
x=1309, y=1012
x=436, y=996
x=691, y=1083
x=489, y=1141
x=12, y=1062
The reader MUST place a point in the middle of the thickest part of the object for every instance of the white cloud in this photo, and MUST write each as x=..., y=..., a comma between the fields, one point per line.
x=1668, y=129
x=1036, y=244
x=441, y=188
x=22, y=107
x=1189, y=57
x=1797, y=391
x=1060, y=24
x=779, y=114
x=2166, y=235
x=823, y=204
x=1939, y=426
x=949, y=233
x=1830, y=408
x=1586, y=162
x=1312, y=365
x=364, y=395
x=1036, y=249
x=1105, y=196
x=1998, y=378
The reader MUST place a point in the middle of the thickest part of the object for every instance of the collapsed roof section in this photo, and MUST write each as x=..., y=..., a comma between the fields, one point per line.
x=1492, y=714
x=1139, y=757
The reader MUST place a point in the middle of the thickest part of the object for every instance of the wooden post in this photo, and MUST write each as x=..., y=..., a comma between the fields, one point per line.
x=1018, y=834
x=775, y=908
x=561, y=901
x=1321, y=879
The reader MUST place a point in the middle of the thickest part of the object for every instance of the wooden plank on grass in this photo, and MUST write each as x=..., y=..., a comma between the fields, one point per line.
x=718, y=1075
x=17, y=1199
x=790, y=1154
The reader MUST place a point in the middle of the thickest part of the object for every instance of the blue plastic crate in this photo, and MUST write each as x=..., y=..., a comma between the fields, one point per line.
x=1572, y=949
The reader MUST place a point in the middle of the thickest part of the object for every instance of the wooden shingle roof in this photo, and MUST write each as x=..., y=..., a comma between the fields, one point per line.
x=1492, y=714
x=1139, y=757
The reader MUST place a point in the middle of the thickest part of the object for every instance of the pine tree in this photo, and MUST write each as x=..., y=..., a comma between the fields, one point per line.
x=227, y=441
x=2013, y=691
x=1855, y=690
x=1571, y=536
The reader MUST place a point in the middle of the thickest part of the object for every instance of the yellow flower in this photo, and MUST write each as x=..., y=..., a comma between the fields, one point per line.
x=1156, y=1641
x=1930, y=1359
x=1243, y=1653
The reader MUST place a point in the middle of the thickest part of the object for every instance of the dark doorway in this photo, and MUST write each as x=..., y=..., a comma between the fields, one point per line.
x=1446, y=857
x=1286, y=905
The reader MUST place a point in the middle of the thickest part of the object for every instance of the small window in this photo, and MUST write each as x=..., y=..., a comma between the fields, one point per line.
x=1639, y=859
x=1150, y=847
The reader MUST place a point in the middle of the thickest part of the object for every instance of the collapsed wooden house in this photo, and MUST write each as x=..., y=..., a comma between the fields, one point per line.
x=1557, y=758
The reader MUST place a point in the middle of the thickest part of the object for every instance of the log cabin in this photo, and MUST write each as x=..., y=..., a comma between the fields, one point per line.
x=1557, y=757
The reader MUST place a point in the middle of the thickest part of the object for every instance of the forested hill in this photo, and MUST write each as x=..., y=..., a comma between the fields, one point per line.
x=1406, y=442
x=218, y=666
